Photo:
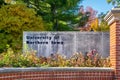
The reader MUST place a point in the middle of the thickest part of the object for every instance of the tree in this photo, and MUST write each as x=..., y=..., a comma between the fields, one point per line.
x=90, y=22
x=99, y=24
x=6, y=2
x=14, y=19
x=94, y=24
x=88, y=15
x=56, y=12
x=114, y=2
x=1, y=2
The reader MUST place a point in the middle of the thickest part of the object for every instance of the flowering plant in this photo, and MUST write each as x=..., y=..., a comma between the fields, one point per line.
x=29, y=59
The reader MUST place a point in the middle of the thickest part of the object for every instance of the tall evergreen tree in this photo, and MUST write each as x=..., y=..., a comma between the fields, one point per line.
x=58, y=13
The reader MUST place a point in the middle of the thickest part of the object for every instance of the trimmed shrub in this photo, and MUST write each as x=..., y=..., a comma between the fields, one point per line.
x=29, y=59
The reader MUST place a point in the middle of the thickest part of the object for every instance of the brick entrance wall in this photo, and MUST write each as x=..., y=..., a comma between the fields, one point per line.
x=113, y=73
x=57, y=73
x=113, y=19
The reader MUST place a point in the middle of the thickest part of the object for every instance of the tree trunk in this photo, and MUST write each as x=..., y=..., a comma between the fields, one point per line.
x=54, y=17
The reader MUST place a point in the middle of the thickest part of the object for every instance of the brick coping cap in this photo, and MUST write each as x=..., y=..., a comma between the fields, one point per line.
x=114, y=10
x=112, y=15
x=37, y=69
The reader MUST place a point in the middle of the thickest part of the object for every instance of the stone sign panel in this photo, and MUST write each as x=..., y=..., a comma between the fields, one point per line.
x=65, y=43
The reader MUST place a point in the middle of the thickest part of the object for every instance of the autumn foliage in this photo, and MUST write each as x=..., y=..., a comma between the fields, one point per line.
x=14, y=19
x=91, y=21
x=29, y=59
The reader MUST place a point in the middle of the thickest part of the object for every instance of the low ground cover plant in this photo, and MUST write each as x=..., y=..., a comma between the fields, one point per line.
x=29, y=59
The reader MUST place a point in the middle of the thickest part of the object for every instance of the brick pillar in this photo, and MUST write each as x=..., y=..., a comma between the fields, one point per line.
x=113, y=19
